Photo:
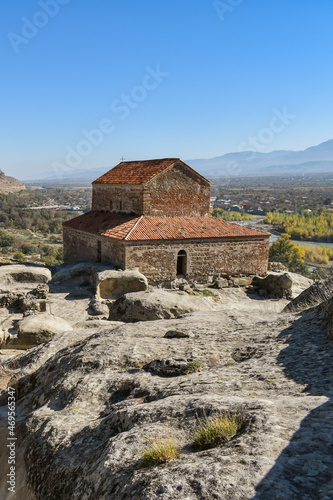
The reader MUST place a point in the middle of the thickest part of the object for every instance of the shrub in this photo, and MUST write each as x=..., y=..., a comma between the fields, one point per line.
x=6, y=250
x=50, y=260
x=19, y=256
x=29, y=249
x=159, y=451
x=216, y=429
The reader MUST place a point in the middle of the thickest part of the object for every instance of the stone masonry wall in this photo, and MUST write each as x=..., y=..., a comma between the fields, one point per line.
x=117, y=198
x=81, y=246
x=159, y=261
x=177, y=192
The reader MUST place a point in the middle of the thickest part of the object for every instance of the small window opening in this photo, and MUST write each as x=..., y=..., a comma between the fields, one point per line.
x=181, y=263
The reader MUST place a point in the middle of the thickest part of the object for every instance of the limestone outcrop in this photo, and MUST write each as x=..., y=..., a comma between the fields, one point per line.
x=82, y=273
x=90, y=399
x=22, y=277
x=316, y=293
x=107, y=282
x=10, y=184
x=158, y=304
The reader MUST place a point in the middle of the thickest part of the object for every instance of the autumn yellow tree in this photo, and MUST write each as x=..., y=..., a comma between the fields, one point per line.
x=291, y=255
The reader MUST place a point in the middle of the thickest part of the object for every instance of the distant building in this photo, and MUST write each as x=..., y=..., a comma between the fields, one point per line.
x=154, y=215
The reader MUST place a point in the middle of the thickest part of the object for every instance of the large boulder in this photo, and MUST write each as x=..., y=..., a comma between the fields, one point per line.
x=276, y=284
x=107, y=282
x=34, y=330
x=300, y=283
x=159, y=304
x=81, y=273
x=282, y=285
x=113, y=284
x=98, y=307
x=22, y=276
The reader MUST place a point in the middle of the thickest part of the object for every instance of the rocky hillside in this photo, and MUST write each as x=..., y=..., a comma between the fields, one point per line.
x=10, y=184
x=92, y=399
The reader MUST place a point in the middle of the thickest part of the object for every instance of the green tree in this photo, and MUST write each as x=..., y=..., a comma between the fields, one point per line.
x=291, y=255
x=219, y=213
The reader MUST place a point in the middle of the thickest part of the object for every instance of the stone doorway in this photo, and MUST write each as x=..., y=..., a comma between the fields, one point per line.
x=181, y=263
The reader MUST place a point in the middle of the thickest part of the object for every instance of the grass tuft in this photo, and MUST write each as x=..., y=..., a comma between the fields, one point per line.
x=217, y=429
x=208, y=293
x=159, y=451
x=192, y=367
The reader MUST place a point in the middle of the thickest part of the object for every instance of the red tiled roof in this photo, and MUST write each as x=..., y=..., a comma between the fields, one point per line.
x=143, y=228
x=138, y=172
x=103, y=223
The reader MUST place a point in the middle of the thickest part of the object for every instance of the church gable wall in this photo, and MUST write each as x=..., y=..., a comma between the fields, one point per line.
x=118, y=198
x=177, y=192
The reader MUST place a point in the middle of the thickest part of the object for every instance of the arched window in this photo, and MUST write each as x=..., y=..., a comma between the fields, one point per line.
x=181, y=263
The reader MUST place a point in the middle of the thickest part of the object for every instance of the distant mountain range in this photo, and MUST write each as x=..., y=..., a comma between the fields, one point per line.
x=313, y=160
x=317, y=159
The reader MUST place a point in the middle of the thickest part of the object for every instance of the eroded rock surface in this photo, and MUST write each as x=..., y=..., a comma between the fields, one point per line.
x=158, y=304
x=87, y=401
x=21, y=277
x=82, y=273
x=316, y=293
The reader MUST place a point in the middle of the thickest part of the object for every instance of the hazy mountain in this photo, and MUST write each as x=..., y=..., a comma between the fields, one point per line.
x=316, y=159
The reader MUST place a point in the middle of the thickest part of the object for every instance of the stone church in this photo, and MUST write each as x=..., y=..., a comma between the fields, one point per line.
x=154, y=215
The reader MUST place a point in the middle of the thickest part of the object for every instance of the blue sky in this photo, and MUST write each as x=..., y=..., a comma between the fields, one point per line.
x=87, y=82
